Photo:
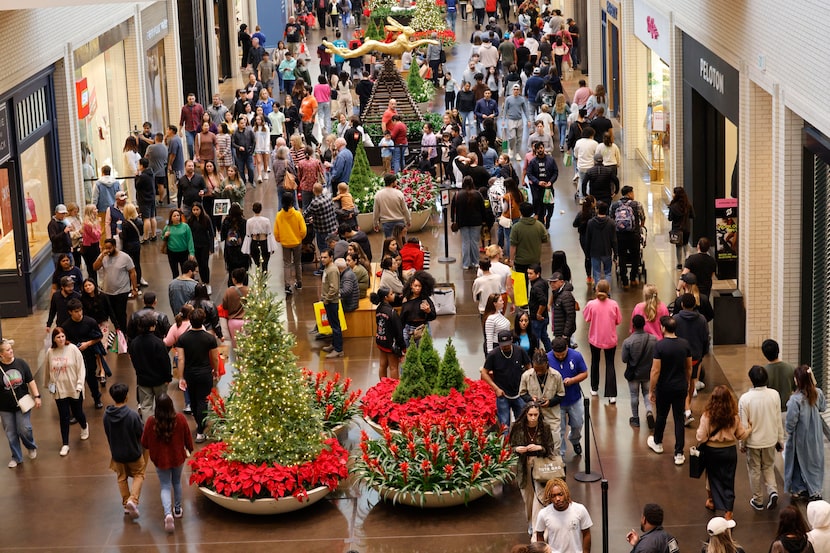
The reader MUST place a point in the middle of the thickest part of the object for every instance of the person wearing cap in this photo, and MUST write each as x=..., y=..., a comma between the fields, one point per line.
x=688, y=285
x=503, y=370
x=59, y=234
x=692, y=326
x=516, y=113
x=720, y=536
x=114, y=218
x=570, y=364
x=654, y=539
x=534, y=84
x=58, y=310
x=562, y=307
x=628, y=233
x=599, y=181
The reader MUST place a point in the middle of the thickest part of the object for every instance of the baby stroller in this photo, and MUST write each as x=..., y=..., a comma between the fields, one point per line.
x=642, y=272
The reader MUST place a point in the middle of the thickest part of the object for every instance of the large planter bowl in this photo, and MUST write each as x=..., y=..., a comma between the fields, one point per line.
x=420, y=220
x=364, y=221
x=267, y=506
x=433, y=500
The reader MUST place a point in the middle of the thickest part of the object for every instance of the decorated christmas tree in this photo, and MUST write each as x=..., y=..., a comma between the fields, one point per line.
x=413, y=382
x=450, y=374
x=270, y=414
x=429, y=359
x=429, y=16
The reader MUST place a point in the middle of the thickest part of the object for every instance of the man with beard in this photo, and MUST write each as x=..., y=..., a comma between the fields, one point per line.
x=653, y=538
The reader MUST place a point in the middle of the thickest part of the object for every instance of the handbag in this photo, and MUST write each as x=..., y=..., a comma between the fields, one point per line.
x=122, y=342
x=289, y=182
x=676, y=237
x=697, y=462
x=505, y=222
x=443, y=297
x=323, y=326
x=25, y=403
x=547, y=468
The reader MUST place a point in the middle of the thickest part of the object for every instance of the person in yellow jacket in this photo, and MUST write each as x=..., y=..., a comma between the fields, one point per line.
x=289, y=231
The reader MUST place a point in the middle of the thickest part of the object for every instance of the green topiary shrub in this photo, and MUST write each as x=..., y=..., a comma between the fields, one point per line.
x=430, y=360
x=413, y=382
x=450, y=374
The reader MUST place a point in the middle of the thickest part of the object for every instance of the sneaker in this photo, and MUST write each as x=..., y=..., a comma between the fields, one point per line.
x=64, y=451
x=12, y=464
x=634, y=421
x=650, y=420
x=689, y=420
x=699, y=385
x=756, y=505
x=589, y=280
x=318, y=272
x=336, y=354
x=99, y=405
x=33, y=454
x=612, y=400
x=85, y=433
x=288, y=290
x=73, y=420
x=169, y=526
x=177, y=512
x=577, y=449
x=132, y=509
x=815, y=497
x=328, y=349
x=654, y=446
x=187, y=410
x=298, y=285
x=594, y=393
x=144, y=283
x=209, y=289
x=772, y=501
x=679, y=459
x=200, y=438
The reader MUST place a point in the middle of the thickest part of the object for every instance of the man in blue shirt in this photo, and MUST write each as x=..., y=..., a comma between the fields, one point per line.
x=486, y=108
x=341, y=169
x=532, y=87
x=570, y=364
x=340, y=43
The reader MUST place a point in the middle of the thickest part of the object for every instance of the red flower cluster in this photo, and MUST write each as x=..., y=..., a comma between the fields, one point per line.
x=235, y=479
x=446, y=36
x=418, y=190
x=333, y=396
x=478, y=402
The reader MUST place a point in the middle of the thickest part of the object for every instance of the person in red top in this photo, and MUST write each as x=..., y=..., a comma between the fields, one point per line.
x=191, y=120
x=412, y=257
x=391, y=111
x=397, y=128
x=168, y=440
x=308, y=113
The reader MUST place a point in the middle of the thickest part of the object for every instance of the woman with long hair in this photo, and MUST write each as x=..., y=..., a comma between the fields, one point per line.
x=389, y=336
x=262, y=145
x=596, y=100
x=66, y=382
x=232, y=234
x=282, y=167
x=201, y=300
x=581, y=224
x=96, y=305
x=510, y=202
x=560, y=120
x=603, y=315
x=167, y=439
x=182, y=320
x=204, y=145
x=610, y=152
x=363, y=259
x=804, y=451
x=652, y=310
x=523, y=334
x=322, y=93
x=91, y=239
x=389, y=274
x=344, y=88
x=131, y=158
x=201, y=228
x=390, y=248
x=688, y=285
x=791, y=536
x=718, y=433
x=720, y=537
x=232, y=187
x=213, y=183
x=417, y=308
x=493, y=321
x=131, y=240
x=179, y=240
x=559, y=264
x=531, y=438
x=467, y=214
x=681, y=214
x=224, y=151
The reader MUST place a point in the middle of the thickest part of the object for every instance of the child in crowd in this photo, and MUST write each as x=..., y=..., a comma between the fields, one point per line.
x=450, y=85
x=344, y=206
x=123, y=428
x=387, y=145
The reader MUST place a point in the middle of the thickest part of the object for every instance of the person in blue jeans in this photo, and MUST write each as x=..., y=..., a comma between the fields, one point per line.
x=571, y=365
x=503, y=370
x=537, y=304
x=330, y=296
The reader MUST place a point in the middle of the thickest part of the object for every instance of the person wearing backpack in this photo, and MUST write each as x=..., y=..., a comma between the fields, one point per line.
x=629, y=217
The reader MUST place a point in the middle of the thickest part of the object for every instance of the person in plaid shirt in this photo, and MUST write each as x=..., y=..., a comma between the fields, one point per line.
x=320, y=214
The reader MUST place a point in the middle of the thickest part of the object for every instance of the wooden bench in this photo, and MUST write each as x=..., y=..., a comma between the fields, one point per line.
x=361, y=322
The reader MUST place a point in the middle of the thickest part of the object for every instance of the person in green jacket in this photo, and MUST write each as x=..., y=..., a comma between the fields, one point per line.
x=526, y=239
x=178, y=241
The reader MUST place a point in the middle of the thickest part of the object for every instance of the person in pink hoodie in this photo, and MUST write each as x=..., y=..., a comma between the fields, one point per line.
x=603, y=315
x=652, y=309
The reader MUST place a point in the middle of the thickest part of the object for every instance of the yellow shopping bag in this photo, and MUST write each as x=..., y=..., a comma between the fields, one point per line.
x=519, y=288
x=323, y=326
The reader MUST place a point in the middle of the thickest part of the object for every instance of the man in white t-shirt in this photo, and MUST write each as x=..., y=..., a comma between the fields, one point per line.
x=567, y=522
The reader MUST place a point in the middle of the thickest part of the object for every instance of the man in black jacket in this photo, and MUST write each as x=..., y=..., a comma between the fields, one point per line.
x=243, y=144
x=692, y=326
x=84, y=332
x=600, y=181
x=162, y=322
x=562, y=307
x=151, y=363
x=363, y=89
x=191, y=188
x=59, y=234
x=542, y=172
x=145, y=191
x=601, y=243
x=537, y=305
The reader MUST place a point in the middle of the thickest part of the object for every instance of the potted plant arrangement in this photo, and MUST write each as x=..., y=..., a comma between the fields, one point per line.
x=334, y=398
x=273, y=455
x=419, y=191
x=438, y=449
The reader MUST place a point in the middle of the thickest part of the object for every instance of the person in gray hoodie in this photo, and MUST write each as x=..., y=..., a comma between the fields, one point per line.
x=103, y=195
x=692, y=326
x=638, y=354
x=123, y=428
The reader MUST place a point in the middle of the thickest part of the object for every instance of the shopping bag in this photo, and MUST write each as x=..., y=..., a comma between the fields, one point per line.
x=112, y=343
x=444, y=299
x=519, y=288
x=122, y=342
x=569, y=159
x=697, y=462
x=323, y=326
x=547, y=197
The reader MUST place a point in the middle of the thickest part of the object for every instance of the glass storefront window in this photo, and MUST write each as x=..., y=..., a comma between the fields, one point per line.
x=157, y=87
x=37, y=208
x=106, y=127
x=657, y=117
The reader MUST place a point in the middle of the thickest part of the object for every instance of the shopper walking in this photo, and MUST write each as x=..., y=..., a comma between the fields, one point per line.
x=17, y=382
x=603, y=315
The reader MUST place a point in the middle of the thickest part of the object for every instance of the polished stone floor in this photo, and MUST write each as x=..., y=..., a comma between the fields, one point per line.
x=72, y=503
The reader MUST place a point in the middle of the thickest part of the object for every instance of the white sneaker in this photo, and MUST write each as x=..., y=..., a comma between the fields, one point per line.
x=33, y=454
x=209, y=289
x=64, y=451
x=655, y=447
x=85, y=432
x=12, y=464
x=679, y=459
x=594, y=393
x=132, y=509
x=612, y=400
x=699, y=385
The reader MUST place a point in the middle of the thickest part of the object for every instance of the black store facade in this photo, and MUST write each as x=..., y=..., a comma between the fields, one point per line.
x=30, y=185
x=710, y=136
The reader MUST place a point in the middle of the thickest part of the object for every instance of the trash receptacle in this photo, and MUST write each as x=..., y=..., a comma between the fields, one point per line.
x=730, y=317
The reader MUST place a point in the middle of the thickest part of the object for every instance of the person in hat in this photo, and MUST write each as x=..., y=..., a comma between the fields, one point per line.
x=599, y=181
x=503, y=370
x=114, y=216
x=516, y=113
x=562, y=307
x=532, y=87
x=688, y=285
x=720, y=537
x=59, y=234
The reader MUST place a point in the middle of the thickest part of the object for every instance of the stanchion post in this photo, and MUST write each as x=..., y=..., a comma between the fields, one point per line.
x=604, y=485
x=445, y=201
x=587, y=475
